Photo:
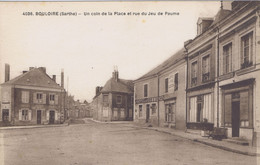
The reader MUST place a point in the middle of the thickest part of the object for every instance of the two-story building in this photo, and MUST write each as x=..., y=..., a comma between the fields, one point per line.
x=160, y=97
x=223, y=71
x=32, y=98
x=114, y=101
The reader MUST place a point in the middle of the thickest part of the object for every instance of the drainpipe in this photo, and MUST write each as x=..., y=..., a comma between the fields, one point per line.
x=186, y=88
x=217, y=77
x=158, y=95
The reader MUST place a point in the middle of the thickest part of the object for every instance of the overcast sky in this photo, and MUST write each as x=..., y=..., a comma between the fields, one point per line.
x=87, y=47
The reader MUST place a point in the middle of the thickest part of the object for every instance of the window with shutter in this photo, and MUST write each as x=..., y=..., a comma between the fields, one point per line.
x=227, y=109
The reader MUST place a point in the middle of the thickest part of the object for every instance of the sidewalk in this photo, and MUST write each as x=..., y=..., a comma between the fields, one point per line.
x=245, y=150
x=32, y=126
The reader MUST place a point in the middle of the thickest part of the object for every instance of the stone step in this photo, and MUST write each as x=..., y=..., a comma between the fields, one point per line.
x=238, y=141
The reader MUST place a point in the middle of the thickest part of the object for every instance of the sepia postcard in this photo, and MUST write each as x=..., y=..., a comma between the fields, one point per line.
x=129, y=82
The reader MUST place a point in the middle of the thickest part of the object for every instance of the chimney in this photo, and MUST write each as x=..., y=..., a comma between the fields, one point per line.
x=31, y=68
x=54, y=78
x=62, y=78
x=7, y=72
x=97, y=90
x=43, y=69
x=115, y=74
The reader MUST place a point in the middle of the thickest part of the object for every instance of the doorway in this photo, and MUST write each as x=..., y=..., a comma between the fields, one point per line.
x=5, y=115
x=39, y=117
x=147, y=112
x=52, y=117
x=235, y=118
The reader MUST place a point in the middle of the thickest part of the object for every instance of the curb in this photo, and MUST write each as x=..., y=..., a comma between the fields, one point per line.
x=112, y=122
x=205, y=143
x=32, y=127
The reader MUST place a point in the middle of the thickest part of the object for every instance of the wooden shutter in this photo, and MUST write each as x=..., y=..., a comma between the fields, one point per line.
x=20, y=114
x=56, y=99
x=244, y=106
x=56, y=115
x=44, y=98
x=47, y=115
x=227, y=108
x=30, y=114
x=35, y=98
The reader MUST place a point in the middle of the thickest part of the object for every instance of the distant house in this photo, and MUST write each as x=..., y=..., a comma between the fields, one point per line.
x=32, y=98
x=114, y=101
x=160, y=95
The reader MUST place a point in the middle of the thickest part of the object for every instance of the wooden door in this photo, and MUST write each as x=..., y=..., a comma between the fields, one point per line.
x=235, y=118
x=52, y=117
x=39, y=117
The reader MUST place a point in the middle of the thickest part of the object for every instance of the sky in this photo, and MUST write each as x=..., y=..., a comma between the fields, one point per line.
x=88, y=47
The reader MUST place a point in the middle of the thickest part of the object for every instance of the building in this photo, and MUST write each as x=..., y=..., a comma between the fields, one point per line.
x=32, y=98
x=160, y=97
x=114, y=101
x=239, y=81
x=223, y=71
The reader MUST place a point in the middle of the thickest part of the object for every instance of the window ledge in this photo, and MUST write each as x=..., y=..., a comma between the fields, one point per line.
x=226, y=76
x=245, y=70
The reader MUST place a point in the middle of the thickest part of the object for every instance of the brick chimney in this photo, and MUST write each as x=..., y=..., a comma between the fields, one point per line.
x=62, y=78
x=7, y=72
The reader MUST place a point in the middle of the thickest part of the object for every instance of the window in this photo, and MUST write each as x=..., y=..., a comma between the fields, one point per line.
x=194, y=68
x=176, y=82
x=153, y=108
x=166, y=85
x=105, y=98
x=52, y=97
x=118, y=99
x=145, y=90
x=205, y=68
x=247, y=50
x=140, y=110
x=25, y=114
x=25, y=97
x=39, y=98
x=227, y=56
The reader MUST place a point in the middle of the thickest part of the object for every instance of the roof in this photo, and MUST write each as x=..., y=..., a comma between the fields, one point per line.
x=222, y=13
x=179, y=55
x=123, y=86
x=34, y=77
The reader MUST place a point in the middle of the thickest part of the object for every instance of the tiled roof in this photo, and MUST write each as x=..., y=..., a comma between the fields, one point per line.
x=34, y=77
x=179, y=55
x=123, y=86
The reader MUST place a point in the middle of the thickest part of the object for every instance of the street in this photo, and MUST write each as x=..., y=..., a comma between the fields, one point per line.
x=99, y=143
